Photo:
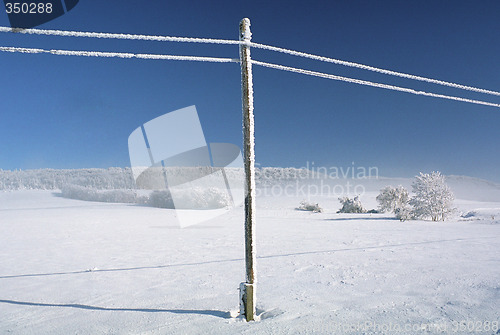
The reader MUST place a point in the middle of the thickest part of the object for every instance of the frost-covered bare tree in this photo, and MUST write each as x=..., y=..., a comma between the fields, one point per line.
x=392, y=198
x=433, y=198
x=395, y=200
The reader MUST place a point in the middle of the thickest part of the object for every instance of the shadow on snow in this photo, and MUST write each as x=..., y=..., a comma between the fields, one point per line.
x=359, y=248
x=219, y=314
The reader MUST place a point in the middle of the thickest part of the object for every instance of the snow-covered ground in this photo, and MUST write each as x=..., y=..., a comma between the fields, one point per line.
x=77, y=267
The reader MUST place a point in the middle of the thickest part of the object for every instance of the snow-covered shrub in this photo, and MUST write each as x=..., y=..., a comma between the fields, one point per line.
x=433, y=198
x=470, y=214
x=201, y=198
x=485, y=215
x=395, y=200
x=392, y=198
x=190, y=198
x=216, y=198
x=351, y=205
x=305, y=206
x=404, y=213
x=161, y=199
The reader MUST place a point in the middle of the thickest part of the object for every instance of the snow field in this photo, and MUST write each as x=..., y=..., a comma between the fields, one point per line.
x=81, y=267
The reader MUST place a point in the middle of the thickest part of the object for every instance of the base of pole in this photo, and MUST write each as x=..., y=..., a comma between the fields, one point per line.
x=247, y=301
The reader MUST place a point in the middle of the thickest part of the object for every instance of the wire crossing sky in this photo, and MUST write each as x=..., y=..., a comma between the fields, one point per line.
x=372, y=84
x=118, y=55
x=222, y=60
x=70, y=113
x=274, y=66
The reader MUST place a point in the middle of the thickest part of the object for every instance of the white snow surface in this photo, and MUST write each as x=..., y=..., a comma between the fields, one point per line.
x=78, y=267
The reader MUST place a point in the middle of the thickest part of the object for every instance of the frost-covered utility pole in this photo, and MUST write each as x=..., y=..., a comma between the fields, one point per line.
x=248, y=289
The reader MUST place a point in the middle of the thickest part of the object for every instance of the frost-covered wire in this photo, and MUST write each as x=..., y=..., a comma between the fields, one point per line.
x=119, y=36
x=235, y=60
x=371, y=68
x=251, y=44
x=369, y=83
x=119, y=55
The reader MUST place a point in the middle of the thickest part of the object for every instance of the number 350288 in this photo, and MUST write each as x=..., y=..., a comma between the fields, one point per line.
x=28, y=8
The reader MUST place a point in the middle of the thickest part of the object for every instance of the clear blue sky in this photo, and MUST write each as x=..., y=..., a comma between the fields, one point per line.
x=75, y=112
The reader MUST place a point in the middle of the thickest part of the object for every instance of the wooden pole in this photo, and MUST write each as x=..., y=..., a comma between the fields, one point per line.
x=247, y=289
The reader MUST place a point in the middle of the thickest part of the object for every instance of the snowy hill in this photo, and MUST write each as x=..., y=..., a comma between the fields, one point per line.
x=466, y=188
